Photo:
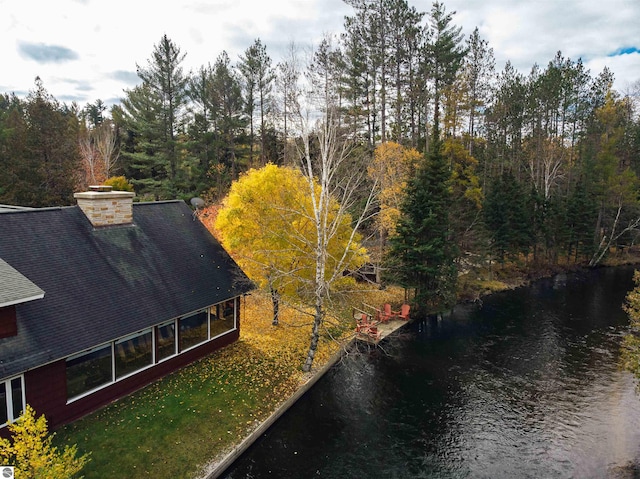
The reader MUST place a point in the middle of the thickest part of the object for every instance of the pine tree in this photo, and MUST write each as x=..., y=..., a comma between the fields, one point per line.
x=144, y=159
x=153, y=114
x=230, y=118
x=52, y=149
x=422, y=251
x=165, y=77
x=507, y=215
x=258, y=76
x=581, y=216
x=445, y=54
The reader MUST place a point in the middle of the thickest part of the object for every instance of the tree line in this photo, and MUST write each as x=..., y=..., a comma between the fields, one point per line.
x=540, y=166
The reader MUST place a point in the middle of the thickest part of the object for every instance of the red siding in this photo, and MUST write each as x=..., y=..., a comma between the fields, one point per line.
x=8, y=324
x=46, y=386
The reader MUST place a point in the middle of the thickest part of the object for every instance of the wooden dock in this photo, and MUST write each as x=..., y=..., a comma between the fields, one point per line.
x=384, y=329
x=373, y=324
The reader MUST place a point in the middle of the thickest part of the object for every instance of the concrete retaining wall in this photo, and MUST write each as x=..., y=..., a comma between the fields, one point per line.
x=214, y=470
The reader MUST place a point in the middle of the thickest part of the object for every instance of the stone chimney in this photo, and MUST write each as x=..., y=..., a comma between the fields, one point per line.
x=105, y=207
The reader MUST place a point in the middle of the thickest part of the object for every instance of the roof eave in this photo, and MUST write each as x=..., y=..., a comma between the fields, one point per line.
x=22, y=300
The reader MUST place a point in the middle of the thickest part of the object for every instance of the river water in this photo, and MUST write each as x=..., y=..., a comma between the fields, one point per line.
x=526, y=386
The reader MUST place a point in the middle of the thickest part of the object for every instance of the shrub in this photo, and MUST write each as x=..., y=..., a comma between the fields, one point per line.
x=119, y=183
x=32, y=453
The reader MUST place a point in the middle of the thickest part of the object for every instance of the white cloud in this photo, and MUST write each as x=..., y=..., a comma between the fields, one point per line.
x=110, y=37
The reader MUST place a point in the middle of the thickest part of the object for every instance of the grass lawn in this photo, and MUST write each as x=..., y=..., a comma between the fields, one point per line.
x=175, y=426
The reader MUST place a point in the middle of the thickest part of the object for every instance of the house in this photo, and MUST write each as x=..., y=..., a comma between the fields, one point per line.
x=102, y=298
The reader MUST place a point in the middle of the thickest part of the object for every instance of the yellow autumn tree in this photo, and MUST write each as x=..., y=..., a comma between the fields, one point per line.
x=31, y=451
x=391, y=166
x=266, y=223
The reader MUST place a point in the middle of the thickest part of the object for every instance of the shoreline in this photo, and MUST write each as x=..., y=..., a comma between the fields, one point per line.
x=217, y=467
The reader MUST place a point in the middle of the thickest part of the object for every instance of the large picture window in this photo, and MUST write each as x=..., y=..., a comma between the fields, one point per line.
x=193, y=330
x=90, y=370
x=101, y=366
x=223, y=318
x=12, y=400
x=133, y=353
x=166, y=340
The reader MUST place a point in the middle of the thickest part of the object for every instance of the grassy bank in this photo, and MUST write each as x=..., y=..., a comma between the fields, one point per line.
x=478, y=281
x=173, y=427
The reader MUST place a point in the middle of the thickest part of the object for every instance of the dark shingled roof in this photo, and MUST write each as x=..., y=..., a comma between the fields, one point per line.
x=104, y=283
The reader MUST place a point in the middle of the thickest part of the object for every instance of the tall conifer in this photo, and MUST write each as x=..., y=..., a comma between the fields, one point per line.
x=422, y=249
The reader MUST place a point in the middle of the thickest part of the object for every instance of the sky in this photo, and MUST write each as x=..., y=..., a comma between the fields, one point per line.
x=85, y=50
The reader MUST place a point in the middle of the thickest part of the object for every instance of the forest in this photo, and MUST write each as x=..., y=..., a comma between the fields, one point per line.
x=469, y=164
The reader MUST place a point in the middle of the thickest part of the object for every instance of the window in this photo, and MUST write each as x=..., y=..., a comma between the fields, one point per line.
x=133, y=353
x=103, y=365
x=193, y=330
x=166, y=340
x=223, y=318
x=88, y=371
x=12, y=400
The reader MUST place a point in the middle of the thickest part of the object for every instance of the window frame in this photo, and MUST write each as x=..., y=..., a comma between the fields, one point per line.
x=219, y=306
x=101, y=386
x=156, y=329
x=9, y=398
x=127, y=338
x=179, y=330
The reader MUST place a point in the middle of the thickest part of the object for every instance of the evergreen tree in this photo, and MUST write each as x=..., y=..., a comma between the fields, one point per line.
x=17, y=170
x=154, y=114
x=581, y=218
x=165, y=77
x=356, y=84
x=201, y=128
x=231, y=120
x=51, y=149
x=444, y=56
x=423, y=251
x=145, y=162
x=259, y=76
x=507, y=215
x=478, y=73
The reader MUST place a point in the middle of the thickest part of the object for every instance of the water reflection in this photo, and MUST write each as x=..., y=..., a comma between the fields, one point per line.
x=526, y=386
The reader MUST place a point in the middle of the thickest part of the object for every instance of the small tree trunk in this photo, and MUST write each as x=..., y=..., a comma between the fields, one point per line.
x=315, y=336
x=275, y=301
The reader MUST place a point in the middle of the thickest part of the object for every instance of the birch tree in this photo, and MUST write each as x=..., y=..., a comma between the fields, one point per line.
x=334, y=176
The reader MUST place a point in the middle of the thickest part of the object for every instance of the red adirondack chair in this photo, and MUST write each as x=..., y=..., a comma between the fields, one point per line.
x=362, y=321
x=403, y=313
x=386, y=314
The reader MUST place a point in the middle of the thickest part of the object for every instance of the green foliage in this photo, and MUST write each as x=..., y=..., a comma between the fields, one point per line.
x=445, y=53
x=258, y=74
x=508, y=217
x=153, y=114
x=582, y=213
x=31, y=451
x=422, y=250
x=119, y=183
x=570, y=141
x=39, y=155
